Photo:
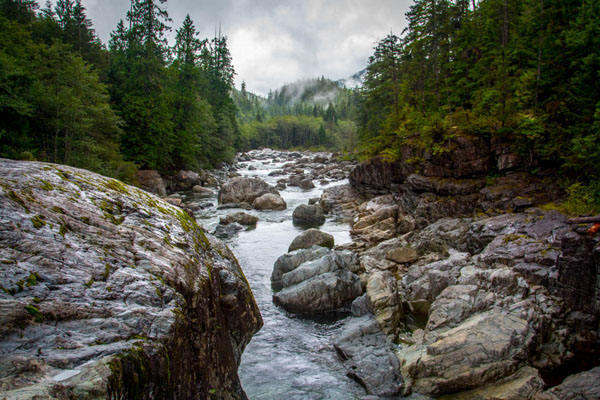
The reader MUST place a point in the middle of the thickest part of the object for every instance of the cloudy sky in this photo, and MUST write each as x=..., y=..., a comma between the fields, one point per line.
x=273, y=42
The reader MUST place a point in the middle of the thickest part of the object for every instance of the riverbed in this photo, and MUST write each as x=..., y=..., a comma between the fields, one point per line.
x=291, y=357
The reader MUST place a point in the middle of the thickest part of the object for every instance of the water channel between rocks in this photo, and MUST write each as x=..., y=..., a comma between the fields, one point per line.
x=291, y=357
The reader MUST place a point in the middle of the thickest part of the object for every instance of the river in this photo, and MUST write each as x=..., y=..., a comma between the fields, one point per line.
x=291, y=357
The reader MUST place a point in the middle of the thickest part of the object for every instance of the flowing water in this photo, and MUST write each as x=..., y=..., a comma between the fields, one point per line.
x=291, y=357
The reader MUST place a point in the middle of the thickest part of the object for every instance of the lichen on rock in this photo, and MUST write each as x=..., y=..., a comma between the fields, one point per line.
x=131, y=299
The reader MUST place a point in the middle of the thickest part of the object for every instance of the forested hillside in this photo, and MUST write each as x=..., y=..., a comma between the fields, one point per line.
x=66, y=98
x=310, y=113
x=526, y=73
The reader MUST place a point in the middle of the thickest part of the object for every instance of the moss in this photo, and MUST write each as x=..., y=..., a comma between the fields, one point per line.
x=63, y=175
x=20, y=284
x=111, y=210
x=38, y=221
x=106, y=273
x=37, y=300
x=513, y=237
x=15, y=197
x=117, y=186
x=58, y=210
x=46, y=185
x=85, y=220
x=32, y=279
x=35, y=312
x=63, y=229
x=89, y=283
x=7, y=261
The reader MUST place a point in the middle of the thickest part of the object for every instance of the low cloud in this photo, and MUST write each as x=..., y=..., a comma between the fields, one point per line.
x=273, y=42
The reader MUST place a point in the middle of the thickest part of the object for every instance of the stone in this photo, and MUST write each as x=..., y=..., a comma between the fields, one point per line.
x=241, y=218
x=369, y=357
x=269, y=201
x=311, y=237
x=186, y=180
x=382, y=294
x=246, y=190
x=321, y=284
x=581, y=386
x=523, y=384
x=308, y=215
x=202, y=191
x=151, y=181
x=403, y=255
x=306, y=184
x=121, y=292
x=227, y=231
x=479, y=351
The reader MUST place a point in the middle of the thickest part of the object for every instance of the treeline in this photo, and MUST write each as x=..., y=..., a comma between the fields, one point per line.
x=66, y=98
x=524, y=72
x=308, y=114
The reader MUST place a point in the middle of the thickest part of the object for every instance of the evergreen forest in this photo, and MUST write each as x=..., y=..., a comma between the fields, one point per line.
x=67, y=98
x=522, y=72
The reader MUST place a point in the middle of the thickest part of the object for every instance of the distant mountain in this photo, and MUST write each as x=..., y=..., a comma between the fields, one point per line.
x=319, y=91
x=354, y=81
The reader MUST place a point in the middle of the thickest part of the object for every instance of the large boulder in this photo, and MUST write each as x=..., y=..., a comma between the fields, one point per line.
x=325, y=282
x=241, y=218
x=308, y=215
x=244, y=190
x=185, y=181
x=269, y=201
x=151, y=181
x=311, y=237
x=110, y=292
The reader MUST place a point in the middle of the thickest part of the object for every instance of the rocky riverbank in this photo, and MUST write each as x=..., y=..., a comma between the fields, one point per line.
x=483, y=294
x=110, y=292
x=467, y=288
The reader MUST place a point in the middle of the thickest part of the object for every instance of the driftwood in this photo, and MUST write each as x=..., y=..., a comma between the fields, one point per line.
x=584, y=220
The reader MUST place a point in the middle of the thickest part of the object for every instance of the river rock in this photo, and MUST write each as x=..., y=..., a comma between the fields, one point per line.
x=241, y=218
x=306, y=184
x=110, y=291
x=369, y=357
x=321, y=284
x=244, y=190
x=227, y=231
x=202, y=191
x=269, y=201
x=185, y=181
x=581, y=386
x=151, y=181
x=402, y=255
x=308, y=215
x=311, y=237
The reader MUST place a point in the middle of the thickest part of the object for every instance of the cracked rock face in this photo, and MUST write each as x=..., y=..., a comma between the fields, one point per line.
x=109, y=291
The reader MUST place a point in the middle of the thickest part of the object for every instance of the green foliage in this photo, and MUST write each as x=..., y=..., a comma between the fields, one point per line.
x=308, y=114
x=523, y=73
x=581, y=200
x=63, y=101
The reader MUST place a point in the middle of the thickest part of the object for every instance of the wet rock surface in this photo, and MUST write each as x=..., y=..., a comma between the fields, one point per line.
x=105, y=285
x=326, y=281
x=311, y=237
x=485, y=295
x=308, y=215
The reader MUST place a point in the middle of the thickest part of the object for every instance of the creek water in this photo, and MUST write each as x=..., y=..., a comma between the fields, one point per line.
x=291, y=357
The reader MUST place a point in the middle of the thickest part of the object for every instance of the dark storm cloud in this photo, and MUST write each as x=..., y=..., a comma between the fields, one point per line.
x=274, y=42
